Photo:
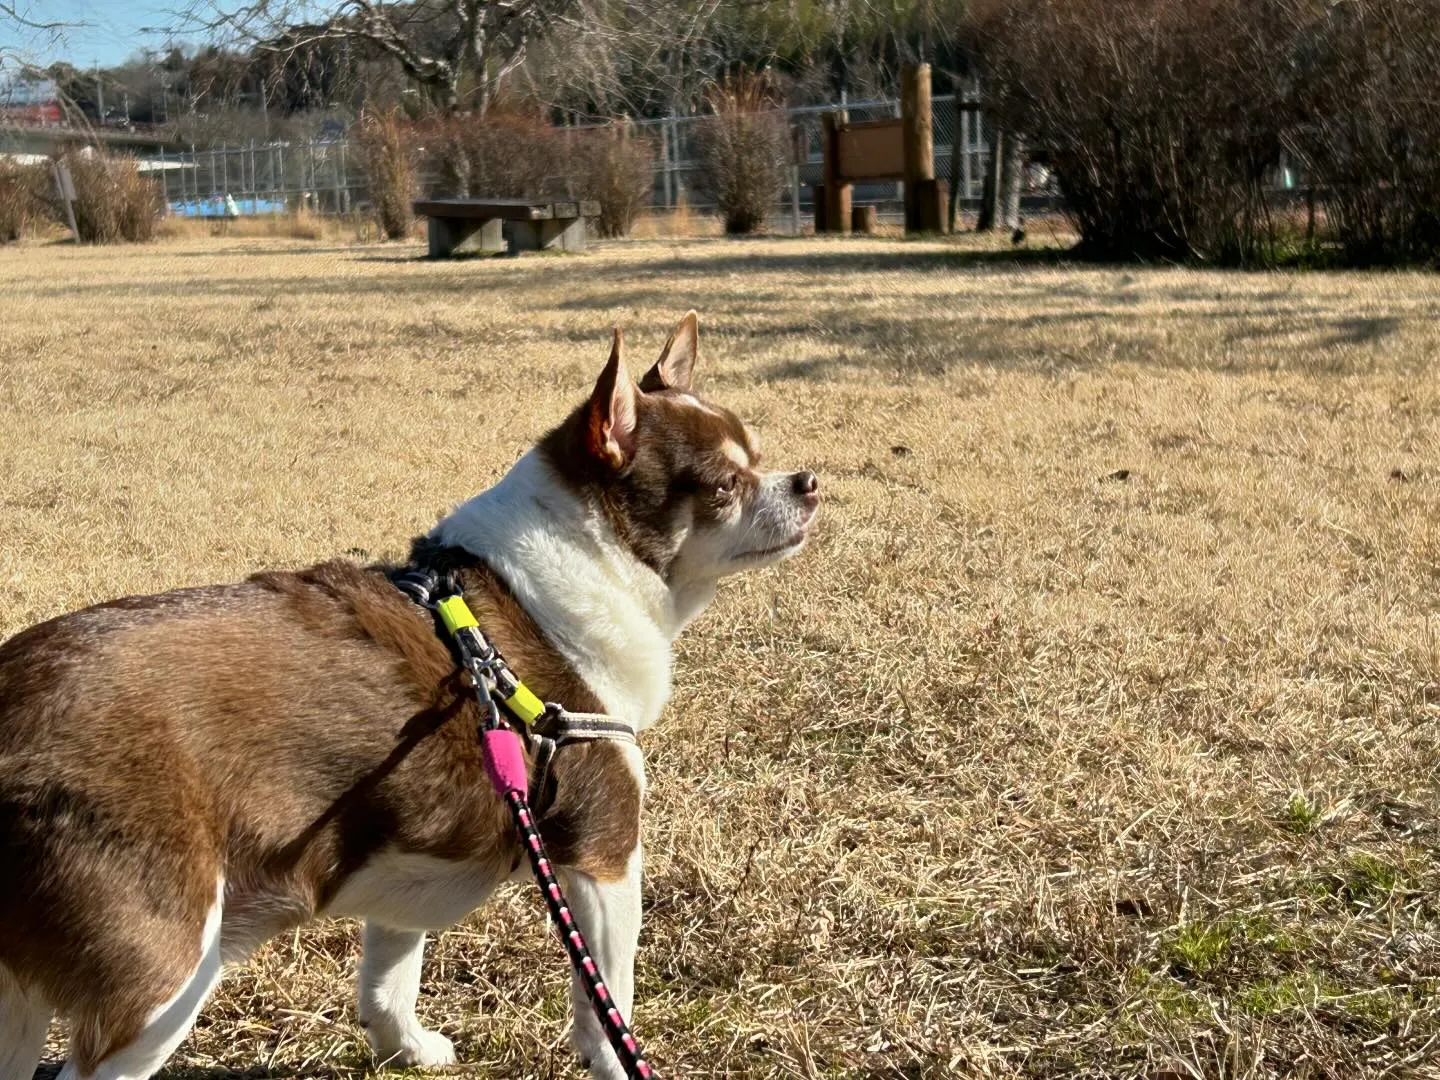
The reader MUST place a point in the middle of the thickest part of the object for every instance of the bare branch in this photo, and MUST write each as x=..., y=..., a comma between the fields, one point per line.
x=11, y=12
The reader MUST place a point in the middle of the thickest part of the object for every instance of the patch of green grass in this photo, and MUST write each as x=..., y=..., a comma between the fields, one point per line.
x=1375, y=1010
x=1269, y=996
x=1198, y=949
x=1368, y=881
x=1199, y=946
x=1301, y=815
x=555, y=1005
x=692, y=1015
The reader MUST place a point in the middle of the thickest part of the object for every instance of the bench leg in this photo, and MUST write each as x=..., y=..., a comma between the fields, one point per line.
x=564, y=234
x=441, y=233
x=570, y=234
x=448, y=235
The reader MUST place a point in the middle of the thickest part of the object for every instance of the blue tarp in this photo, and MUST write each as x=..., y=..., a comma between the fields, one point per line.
x=219, y=206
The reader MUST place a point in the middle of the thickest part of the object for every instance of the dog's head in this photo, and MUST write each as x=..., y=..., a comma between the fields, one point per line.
x=679, y=477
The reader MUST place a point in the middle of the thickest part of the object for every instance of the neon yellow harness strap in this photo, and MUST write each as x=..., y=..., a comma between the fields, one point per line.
x=525, y=705
x=456, y=614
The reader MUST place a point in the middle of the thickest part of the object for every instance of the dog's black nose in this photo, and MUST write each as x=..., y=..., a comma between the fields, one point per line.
x=805, y=483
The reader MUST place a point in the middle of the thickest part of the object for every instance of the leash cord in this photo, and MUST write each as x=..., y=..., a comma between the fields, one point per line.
x=626, y=1048
x=505, y=763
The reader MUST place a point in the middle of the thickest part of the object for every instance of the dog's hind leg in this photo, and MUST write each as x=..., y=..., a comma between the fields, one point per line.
x=608, y=913
x=24, y=1020
x=106, y=1042
x=389, y=985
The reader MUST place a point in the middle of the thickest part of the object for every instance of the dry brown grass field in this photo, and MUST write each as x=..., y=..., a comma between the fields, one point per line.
x=1095, y=734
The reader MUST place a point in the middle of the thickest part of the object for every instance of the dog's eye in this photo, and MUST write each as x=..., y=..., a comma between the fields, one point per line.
x=726, y=486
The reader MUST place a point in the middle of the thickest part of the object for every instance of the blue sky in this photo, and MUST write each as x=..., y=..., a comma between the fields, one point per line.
x=103, y=31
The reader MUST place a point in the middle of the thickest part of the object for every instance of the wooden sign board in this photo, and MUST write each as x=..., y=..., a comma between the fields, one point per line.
x=873, y=150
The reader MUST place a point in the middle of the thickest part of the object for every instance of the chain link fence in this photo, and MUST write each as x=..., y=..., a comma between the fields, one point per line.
x=319, y=177
x=323, y=176
x=960, y=153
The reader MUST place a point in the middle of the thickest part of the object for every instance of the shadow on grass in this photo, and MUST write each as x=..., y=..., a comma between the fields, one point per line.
x=50, y=1070
x=1043, y=322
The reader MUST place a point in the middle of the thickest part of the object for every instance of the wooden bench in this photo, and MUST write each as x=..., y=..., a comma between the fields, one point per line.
x=512, y=225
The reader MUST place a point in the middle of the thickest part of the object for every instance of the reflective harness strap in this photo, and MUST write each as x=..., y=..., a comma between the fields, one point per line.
x=560, y=728
x=496, y=689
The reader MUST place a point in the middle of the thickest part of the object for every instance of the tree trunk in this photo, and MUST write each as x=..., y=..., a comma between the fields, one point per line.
x=1011, y=174
x=990, y=190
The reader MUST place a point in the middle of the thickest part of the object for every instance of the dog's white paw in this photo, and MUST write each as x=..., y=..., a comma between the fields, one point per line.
x=419, y=1049
x=605, y=1070
x=603, y=1066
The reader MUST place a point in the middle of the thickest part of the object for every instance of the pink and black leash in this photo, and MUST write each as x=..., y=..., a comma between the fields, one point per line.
x=505, y=764
x=616, y=1030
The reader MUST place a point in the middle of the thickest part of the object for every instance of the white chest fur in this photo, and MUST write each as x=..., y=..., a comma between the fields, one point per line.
x=607, y=613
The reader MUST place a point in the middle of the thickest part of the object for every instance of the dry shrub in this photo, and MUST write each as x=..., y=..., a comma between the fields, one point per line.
x=519, y=155
x=113, y=202
x=616, y=167
x=1366, y=89
x=386, y=159
x=22, y=199
x=742, y=150
x=302, y=225
x=503, y=155
x=1160, y=117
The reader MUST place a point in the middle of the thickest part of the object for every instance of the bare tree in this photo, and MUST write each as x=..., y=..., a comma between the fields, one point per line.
x=19, y=19
x=459, y=50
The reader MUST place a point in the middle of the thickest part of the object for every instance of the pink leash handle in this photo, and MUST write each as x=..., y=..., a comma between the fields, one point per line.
x=505, y=761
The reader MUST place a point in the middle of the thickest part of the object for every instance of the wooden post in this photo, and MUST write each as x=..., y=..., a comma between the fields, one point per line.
x=864, y=219
x=836, y=215
x=918, y=145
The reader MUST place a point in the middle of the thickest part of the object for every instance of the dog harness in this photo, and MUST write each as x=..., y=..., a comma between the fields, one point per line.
x=508, y=711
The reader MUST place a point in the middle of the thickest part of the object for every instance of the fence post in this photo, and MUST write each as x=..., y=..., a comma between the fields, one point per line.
x=675, y=160
x=798, y=147
x=665, y=177
x=834, y=209
x=967, y=119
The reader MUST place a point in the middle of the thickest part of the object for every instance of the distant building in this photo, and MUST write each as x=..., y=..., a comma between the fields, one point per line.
x=29, y=101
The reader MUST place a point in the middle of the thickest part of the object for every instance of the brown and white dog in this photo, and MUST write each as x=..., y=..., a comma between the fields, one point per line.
x=183, y=776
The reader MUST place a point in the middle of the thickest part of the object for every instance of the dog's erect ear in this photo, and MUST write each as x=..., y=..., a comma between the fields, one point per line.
x=676, y=366
x=610, y=433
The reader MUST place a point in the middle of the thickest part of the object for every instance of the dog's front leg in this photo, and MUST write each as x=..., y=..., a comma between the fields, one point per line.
x=608, y=913
x=389, y=985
